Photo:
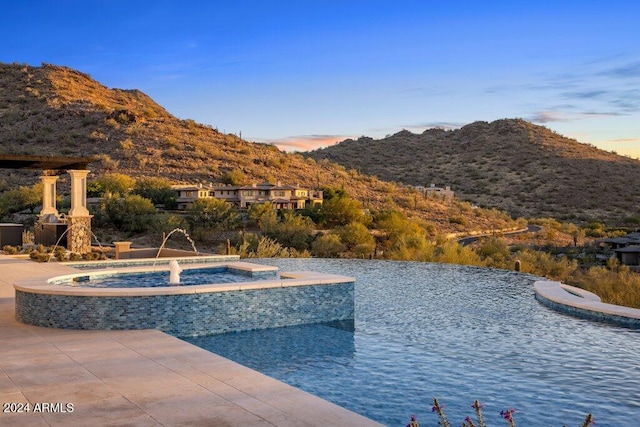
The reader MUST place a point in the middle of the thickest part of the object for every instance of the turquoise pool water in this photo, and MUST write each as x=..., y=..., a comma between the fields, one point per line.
x=457, y=333
x=196, y=276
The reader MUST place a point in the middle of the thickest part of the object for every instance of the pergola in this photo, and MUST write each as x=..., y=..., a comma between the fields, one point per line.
x=78, y=221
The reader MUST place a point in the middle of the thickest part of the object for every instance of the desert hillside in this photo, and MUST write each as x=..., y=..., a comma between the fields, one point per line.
x=524, y=169
x=54, y=110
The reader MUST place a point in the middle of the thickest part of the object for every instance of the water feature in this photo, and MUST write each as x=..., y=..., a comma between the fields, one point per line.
x=174, y=272
x=175, y=230
x=457, y=333
x=82, y=226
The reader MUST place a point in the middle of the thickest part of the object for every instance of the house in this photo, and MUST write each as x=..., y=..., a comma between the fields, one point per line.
x=445, y=193
x=186, y=195
x=281, y=196
x=626, y=248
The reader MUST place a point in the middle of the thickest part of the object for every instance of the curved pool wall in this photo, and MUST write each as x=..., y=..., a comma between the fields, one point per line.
x=296, y=298
x=580, y=303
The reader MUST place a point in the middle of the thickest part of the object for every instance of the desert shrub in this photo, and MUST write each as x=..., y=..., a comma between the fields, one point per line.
x=614, y=284
x=357, y=239
x=452, y=252
x=115, y=183
x=253, y=246
x=327, y=246
x=9, y=250
x=131, y=213
x=341, y=210
x=234, y=177
x=495, y=252
x=158, y=190
x=263, y=215
x=544, y=264
x=294, y=231
x=214, y=214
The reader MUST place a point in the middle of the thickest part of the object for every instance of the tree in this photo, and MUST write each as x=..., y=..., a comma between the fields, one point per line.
x=295, y=231
x=327, y=246
x=357, y=239
x=234, y=177
x=158, y=190
x=403, y=239
x=213, y=214
x=116, y=183
x=341, y=210
x=264, y=215
x=131, y=213
x=21, y=198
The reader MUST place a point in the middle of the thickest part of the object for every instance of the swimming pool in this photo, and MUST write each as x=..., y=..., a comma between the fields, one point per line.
x=452, y=332
x=188, y=277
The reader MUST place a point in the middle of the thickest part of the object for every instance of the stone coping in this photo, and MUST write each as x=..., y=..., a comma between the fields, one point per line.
x=52, y=285
x=583, y=303
x=130, y=262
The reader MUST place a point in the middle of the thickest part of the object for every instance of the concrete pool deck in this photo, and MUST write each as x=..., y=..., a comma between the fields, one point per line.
x=135, y=378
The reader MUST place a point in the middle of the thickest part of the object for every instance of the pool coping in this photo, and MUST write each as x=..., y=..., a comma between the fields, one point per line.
x=585, y=304
x=287, y=279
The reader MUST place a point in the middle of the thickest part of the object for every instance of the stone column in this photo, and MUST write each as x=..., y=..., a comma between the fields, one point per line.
x=49, y=198
x=79, y=220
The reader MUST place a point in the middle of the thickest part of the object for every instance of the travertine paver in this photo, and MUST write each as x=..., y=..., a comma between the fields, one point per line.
x=136, y=378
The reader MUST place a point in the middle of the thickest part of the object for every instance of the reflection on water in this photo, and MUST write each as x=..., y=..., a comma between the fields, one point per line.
x=456, y=333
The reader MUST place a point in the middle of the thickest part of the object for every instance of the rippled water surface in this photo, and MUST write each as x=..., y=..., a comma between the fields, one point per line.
x=452, y=332
x=197, y=276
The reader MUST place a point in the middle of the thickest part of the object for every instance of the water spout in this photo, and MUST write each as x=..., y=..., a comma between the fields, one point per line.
x=70, y=226
x=174, y=272
x=164, y=242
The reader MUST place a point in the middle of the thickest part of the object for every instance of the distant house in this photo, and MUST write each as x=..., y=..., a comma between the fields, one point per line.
x=626, y=248
x=281, y=196
x=445, y=193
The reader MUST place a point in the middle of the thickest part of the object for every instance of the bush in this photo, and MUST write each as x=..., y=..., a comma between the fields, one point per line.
x=132, y=213
x=9, y=250
x=327, y=246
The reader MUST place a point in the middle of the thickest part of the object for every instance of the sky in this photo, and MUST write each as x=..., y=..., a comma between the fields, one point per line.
x=304, y=74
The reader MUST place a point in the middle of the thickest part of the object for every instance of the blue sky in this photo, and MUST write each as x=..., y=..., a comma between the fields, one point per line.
x=302, y=74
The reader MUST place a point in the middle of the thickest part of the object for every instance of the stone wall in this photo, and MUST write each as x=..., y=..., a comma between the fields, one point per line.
x=191, y=314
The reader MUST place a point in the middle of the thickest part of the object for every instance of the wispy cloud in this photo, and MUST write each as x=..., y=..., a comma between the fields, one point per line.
x=560, y=116
x=630, y=70
x=549, y=117
x=304, y=142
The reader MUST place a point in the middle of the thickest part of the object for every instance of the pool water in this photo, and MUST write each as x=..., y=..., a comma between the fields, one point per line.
x=457, y=333
x=197, y=276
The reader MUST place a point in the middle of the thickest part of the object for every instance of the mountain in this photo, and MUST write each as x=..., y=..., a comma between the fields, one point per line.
x=516, y=166
x=55, y=110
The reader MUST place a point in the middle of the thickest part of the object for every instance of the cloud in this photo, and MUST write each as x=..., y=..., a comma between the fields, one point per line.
x=558, y=116
x=304, y=142
x=631, y=70
x=548, y=117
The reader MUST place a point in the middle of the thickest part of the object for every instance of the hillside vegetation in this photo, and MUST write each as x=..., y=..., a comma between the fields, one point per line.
x=54, y=110
x=521, y=168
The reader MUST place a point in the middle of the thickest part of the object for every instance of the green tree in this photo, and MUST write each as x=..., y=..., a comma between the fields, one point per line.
x=263, y=215
x=403, y=239
x=357, y=239
x=21, y=198
x=294, y=231
x=341, y=210
x=327, y=246
x=214, y=214
x=234, y=177
x=158, y=190
x=131, y=213
x=116, y=183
